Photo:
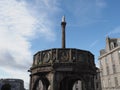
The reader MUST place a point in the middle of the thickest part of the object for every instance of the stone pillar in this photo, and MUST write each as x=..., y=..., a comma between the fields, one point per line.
x=30, y=85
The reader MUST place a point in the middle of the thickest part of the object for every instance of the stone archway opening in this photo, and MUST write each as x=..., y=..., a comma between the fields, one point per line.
x=41, y=84
x=77, y=85
x=71, y=83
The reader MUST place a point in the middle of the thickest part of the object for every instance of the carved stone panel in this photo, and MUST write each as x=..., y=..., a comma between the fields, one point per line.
x=63, y=55
x=81, y=56
x=46, y=57
x=39, y=59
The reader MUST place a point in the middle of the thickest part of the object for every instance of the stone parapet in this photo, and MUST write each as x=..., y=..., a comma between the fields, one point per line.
x=56, y=55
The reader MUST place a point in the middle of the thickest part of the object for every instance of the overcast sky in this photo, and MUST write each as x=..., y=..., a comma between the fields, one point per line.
x=29, y=26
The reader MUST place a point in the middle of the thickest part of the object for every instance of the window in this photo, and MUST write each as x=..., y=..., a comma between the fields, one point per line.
x=114, y=68
x=106, y=61
x=119, y=56
x=109, y=83
x=112, y=58
x=103, y=84
x=112, y=45
x=101, y=68
x=107, y=68
x=116, y=81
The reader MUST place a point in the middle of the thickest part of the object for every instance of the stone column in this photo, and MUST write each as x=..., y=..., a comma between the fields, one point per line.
x=63, y=24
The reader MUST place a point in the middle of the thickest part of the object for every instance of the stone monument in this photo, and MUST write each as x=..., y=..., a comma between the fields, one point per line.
x=60, y=68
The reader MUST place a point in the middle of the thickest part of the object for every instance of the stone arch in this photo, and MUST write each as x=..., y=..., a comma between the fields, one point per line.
x=77, y=85
x=68, y=82
x=45, y=83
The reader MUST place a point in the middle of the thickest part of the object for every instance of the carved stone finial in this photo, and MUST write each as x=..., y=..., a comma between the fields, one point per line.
x=63, y=19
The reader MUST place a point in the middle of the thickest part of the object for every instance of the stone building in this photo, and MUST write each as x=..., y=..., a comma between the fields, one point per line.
x=97, y=80
x=110, y=64
x=11, y=84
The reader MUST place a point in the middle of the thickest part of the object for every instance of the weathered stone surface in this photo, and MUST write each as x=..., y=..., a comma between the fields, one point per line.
x=58, y=69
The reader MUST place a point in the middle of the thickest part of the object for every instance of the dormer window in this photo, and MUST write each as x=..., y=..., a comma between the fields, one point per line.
x=113, y=45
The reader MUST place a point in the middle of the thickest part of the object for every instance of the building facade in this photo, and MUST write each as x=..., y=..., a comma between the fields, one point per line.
x=110, y=64
x=11, y=84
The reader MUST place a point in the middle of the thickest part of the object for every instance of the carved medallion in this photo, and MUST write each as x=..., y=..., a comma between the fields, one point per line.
x=46, y=57
x=64, y=55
